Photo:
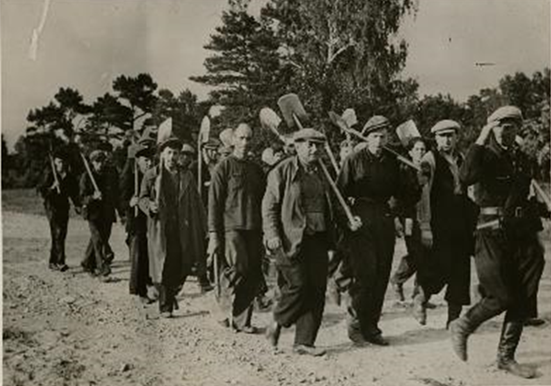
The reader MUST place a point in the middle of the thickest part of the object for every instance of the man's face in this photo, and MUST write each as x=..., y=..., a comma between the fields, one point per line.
x=345, y=152
x=446, y=140
x=144, y=163
x=242, y=137
x=186, y=158
x=98, y=164
x=376, y=140
x=418, y=151
x=210, y=156
x=307, y=151
x=170, y=156
x=59, y=165
x=505, y=133
x=278, y=156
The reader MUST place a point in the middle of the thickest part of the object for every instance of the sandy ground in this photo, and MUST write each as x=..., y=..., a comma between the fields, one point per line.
x=69, y=329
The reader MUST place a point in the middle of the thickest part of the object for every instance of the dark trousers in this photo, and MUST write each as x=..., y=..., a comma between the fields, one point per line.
x=97, y=252
x=167, y=296
x=448, y=265
x=58, y=234
x=302, y=282
x=139, y=269
x=509, y=270
x=372, y=249
x=240, y=275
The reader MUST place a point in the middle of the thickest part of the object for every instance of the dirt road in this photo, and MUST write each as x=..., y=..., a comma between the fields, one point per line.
x=67, y=328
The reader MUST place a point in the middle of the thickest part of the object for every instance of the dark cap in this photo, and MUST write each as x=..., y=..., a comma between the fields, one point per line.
x=375, y=123
x=309, y=135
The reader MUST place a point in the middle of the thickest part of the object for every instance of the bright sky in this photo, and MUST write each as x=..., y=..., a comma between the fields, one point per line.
x=85, y=44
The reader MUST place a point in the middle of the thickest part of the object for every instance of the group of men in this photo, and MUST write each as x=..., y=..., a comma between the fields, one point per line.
x=290, y=211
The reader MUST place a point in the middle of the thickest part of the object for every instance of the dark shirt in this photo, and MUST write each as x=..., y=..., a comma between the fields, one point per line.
x=235, y=196
x=313, y=199
x=104, y=209
x=58, y=203
x=502, y=177
x=376, y=179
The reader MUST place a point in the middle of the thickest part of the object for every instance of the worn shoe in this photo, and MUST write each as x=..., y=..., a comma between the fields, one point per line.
x=273, y=331
x=419, y=310
x=534, y=322
x=377, y=340
x=248, y=330
x=63, y=267
x=53, y=267
x=166, y=314
x=302, y=349
x=398, y=290
x=515, y=368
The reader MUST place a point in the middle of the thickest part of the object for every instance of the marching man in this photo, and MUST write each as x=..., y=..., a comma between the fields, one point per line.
x=509, y=258
x=298, y=230
x=176, y=227
x=235, y=230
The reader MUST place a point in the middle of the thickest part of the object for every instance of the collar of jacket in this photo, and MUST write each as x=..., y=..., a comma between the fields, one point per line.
x=369, y=156
x=296, y=168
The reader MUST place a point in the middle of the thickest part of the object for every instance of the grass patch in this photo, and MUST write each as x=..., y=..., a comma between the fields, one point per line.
x=26, y=201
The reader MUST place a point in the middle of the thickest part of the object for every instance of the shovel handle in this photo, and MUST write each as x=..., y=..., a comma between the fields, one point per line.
x=337, y=192
x=89, y=171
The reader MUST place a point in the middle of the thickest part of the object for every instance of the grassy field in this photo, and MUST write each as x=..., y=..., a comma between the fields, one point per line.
x=24, y=201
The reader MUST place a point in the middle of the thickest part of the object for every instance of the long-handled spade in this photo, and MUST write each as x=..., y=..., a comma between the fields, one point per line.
x=294, y=113
x=270, y=120
x=341, y=123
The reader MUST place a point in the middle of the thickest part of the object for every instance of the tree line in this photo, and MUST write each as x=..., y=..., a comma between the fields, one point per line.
x=335, y=54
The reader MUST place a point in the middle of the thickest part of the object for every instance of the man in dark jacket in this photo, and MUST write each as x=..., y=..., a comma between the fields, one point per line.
x=509, y=258
x=99, y=208
x=372, y=178
x=235, y=230
x=447, y=263
x=56, y=191
x=138, y=163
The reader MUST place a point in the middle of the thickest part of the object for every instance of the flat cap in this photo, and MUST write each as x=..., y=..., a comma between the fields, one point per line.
x=506, y=112
x=187, y=148
x=376, y=122
x=98, y=155
x=445, y=125
x=309, y=135
x=213, y=144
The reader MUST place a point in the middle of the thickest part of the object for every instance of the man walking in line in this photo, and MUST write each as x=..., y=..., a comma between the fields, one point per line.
x=509, y=258
x=235, y=230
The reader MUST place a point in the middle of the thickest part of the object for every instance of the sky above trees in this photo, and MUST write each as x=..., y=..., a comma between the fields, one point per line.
x=86, y=44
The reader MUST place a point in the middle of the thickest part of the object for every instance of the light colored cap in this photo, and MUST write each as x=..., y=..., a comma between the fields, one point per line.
x=506, y=112
x=445, y=126
x=309, y=135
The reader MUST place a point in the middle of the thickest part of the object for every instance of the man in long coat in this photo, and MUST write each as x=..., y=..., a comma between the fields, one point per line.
x=176, y=225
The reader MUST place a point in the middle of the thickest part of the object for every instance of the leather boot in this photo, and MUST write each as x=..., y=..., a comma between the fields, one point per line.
x=465, y=325
x=420, y=308
x=454, y=310
x=510, y=336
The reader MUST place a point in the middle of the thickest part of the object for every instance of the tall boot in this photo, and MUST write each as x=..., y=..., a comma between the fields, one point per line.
x=464, y=326
x=454, y=310
x=508, y=342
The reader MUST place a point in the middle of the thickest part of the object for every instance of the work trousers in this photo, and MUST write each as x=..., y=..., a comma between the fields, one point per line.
x=97, y=253
x=302, y=282
x=509, y=270
x=240, y=275
x=371, y=252
x=139, y=260
x=58, y=233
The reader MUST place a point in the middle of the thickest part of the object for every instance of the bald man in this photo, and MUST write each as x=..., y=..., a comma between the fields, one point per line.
x=235, y=230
